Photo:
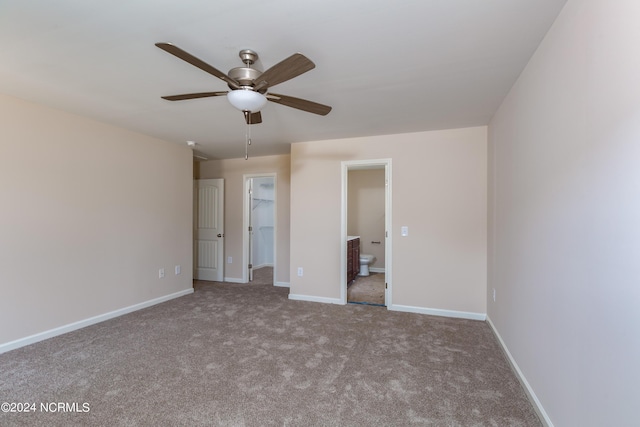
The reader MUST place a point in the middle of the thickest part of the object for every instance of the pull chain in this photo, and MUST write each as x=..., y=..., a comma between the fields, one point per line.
x=246, y=143
x=247, y=134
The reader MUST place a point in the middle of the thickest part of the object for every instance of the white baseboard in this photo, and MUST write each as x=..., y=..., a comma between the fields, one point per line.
x=542, y=414
x=32, y=339
x=376, y=269
x=310, y=298
x=234, y=280
x=439, y=312
x=266, y=264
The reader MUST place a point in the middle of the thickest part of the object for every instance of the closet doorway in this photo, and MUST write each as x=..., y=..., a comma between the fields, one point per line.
x=259, y=225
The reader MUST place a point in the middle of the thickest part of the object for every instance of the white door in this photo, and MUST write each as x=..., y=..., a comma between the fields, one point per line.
x=209, y=229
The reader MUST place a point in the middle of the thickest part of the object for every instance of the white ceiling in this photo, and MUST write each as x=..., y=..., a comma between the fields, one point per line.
x=385, y=67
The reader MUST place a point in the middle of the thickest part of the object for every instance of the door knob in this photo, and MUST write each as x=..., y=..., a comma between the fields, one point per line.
x=220, y=235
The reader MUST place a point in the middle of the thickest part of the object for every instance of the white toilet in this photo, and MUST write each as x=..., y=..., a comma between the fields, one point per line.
x=365, y=260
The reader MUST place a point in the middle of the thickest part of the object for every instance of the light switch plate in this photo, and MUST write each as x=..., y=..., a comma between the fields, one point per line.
x=404, y=231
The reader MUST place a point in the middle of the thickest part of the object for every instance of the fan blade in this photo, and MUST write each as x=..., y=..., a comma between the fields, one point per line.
x=253, y=118
x=285, y=70
x=193, y=96
x=300, y=104
x=185, y=56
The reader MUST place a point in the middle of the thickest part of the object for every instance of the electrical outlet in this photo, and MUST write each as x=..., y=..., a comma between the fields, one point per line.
x=161, y=273
x=494, y=294
x=229, y=260
x=300, y=272
x=177, y=269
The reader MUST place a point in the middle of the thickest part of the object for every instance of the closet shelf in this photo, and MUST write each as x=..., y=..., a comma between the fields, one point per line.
x=260, y=202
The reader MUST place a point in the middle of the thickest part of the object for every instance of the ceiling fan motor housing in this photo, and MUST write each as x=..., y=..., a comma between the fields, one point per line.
x=244, y=75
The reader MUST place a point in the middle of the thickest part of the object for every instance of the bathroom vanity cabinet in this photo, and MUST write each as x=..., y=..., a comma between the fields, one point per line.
x=353, y=257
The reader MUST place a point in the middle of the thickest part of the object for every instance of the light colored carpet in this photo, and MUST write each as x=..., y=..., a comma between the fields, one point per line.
x=263, y=276
x=246, y=355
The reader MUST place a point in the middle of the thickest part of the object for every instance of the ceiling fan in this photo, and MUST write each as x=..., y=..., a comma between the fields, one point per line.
x=249, y=86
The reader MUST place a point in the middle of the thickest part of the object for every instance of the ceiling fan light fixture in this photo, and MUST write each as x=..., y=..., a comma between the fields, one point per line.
x=247, y=100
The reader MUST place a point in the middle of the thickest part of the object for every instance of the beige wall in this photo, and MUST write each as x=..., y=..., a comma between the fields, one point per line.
x=439, y=192
x=365, y=212
x=232, y=172
x=89, y=215
x=565, y=210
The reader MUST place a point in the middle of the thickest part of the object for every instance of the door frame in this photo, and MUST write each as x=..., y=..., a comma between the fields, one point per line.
x=348, y=165
x=246, y=218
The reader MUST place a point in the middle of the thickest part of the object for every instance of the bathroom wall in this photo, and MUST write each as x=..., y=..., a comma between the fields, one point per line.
x=365, y=212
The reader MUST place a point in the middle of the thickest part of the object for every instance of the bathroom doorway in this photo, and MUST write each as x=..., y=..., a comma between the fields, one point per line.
x=366, y=216
x=259, y=254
